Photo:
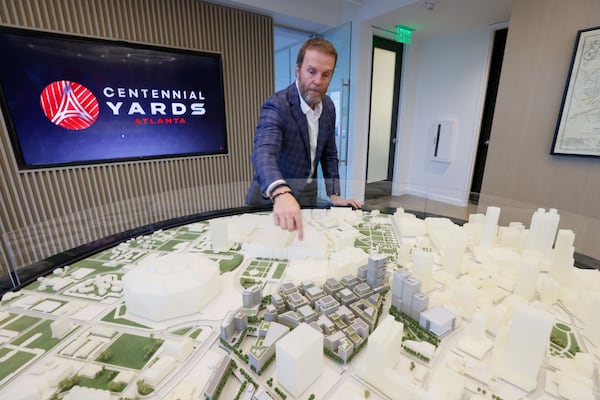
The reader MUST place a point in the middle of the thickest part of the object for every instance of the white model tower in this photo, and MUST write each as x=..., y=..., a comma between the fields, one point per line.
x=490, y=227
x=376, y=270
x=384, y=345
x=299, y=357
x=252, y=296
x=542, y=230
x=423, y=268
x=452, y=259
x=382, y=355
x=475, y=341
x=511, y=236
x=219, y=235
x=561, y=264
x=526, y=282
x=527, y=341
x=549, y=291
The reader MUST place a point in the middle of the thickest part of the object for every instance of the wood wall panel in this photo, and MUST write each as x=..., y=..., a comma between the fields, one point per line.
x=48, y=211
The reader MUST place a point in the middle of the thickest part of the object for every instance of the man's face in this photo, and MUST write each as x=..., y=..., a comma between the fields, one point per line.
x=314, y=75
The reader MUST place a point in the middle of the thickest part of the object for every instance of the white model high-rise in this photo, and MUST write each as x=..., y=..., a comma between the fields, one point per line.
x=423, y=268
x=398, y=277
x=475, y=341
x=410, y=288
x=376, y=272
x=252, y=296
x=490, y=227
x=454, y=252
x=384, y=345
x=382, y=354
x=526, y=282
x=542, y=230
x=219, y=235
x=527, y=341
x=299, y=357
x=562, y=260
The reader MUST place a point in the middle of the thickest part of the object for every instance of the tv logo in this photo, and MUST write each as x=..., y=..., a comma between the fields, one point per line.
x=69, y=105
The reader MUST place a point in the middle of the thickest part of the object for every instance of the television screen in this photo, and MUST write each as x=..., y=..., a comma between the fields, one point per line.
x=70, y=100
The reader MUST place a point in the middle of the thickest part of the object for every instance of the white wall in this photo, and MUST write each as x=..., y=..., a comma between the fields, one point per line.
x=442, y=78
x=450, y=84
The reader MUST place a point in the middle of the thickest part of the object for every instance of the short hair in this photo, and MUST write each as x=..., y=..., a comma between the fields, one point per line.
x=319, y=44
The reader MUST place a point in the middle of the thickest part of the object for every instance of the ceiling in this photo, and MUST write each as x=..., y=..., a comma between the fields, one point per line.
x=431, y=18
x=427, y=17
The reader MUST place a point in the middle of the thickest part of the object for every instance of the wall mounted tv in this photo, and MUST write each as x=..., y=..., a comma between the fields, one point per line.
x=70, y=100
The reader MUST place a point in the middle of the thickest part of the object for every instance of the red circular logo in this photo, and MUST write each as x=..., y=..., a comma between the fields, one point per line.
x=69, y=105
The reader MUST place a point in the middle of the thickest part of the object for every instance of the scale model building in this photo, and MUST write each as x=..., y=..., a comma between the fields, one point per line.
x=382, y=307
x=171, y=286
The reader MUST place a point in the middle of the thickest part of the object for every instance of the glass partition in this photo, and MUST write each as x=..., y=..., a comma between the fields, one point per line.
x=144, y=215
x=195, y=288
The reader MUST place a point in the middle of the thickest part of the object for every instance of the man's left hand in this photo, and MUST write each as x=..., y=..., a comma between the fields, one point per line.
x=341, y=202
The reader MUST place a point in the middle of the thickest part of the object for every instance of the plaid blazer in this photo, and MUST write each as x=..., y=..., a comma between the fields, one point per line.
x=282, y=146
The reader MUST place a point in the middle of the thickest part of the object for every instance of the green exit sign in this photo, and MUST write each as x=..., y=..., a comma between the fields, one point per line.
x=403, y=34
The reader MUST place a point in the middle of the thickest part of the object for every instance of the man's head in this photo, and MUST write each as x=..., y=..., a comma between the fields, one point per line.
x=314, y=68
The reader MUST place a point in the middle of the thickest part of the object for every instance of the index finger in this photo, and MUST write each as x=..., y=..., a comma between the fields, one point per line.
x=299, y=226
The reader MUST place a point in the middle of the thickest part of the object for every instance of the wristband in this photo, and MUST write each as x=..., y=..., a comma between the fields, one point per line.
x=282, y=184
x=281, y=193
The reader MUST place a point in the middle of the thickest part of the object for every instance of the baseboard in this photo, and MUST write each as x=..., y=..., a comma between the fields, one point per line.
x=436, y=194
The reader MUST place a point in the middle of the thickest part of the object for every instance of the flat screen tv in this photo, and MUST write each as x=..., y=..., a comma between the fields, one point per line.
x=69, y=100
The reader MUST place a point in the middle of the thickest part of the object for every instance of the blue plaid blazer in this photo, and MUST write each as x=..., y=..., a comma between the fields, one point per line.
x=282, y=146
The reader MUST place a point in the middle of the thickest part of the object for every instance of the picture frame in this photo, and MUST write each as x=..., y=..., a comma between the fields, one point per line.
x=578, y=126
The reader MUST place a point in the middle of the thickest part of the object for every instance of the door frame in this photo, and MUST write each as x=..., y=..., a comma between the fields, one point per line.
x=487, y=117
x=398, y=49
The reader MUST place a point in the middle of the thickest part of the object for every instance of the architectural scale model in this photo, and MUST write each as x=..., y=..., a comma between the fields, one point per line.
x=367, y=306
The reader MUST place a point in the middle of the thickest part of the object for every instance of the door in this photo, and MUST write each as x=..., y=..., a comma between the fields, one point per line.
x=339, y=88
x=488, y=112
x=339, y=91
x=287, y=44
x=383, y=120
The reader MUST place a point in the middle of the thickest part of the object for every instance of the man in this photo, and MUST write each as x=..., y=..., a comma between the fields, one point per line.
x=296, y=132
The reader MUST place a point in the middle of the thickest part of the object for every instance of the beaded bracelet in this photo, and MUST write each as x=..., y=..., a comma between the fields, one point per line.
x=282, y=184
x=279, y=194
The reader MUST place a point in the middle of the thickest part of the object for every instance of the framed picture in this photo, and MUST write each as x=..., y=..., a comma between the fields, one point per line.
x=578, y=126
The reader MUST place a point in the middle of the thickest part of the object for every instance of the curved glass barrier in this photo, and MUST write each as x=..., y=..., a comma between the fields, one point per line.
x=408, y=295
x=33, y=251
